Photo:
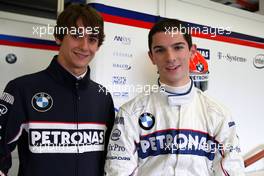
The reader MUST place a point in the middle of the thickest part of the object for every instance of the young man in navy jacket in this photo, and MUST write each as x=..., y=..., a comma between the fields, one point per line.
x=59, y=118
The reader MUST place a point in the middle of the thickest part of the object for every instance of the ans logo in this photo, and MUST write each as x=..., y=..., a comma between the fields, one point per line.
x=3, y=110
x=124, y=40
x=204, y=52
x=42, y=102
x=119, y=80
x=258, y=61
x=122, y=66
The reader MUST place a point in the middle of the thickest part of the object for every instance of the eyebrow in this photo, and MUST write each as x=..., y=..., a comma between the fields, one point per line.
x=93, y=35
x=174, y=44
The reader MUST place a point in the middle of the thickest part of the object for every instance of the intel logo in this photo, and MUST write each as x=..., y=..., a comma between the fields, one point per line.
x=258, y=61
x=116, y=135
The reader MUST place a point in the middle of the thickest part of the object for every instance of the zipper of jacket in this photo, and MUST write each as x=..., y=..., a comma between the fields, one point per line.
x=178, y=127
x=77, y=99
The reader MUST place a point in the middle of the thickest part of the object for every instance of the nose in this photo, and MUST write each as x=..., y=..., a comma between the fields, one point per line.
x=170, y=56
x=84, y=44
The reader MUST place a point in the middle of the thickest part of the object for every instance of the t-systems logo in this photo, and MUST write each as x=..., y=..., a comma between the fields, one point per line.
x=231, y=58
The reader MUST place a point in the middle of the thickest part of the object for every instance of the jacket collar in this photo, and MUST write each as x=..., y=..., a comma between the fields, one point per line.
x=59, y=74
x=178, y=96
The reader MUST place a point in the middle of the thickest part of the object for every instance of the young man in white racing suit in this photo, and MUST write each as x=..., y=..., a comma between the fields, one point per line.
x=177, y=129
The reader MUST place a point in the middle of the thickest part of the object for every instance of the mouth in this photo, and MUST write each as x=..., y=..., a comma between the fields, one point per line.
x=81, y=55
x=172, y=67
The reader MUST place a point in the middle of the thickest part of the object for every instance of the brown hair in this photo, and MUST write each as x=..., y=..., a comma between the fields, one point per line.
x=164, y=23
x=89, y=16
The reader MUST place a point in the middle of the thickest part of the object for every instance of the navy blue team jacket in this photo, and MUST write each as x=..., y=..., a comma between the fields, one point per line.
x=60, y=125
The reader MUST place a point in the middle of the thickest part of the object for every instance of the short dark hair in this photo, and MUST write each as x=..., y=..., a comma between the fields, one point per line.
x=166, y=23
x=89, y=16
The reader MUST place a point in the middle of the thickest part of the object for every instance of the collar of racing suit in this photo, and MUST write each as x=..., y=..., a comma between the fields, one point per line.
x=178, y=96
x=62, y=76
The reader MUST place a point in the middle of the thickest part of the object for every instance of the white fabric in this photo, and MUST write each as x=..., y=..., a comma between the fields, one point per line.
x=80, y=76
x=2, y=174
x=188, y=126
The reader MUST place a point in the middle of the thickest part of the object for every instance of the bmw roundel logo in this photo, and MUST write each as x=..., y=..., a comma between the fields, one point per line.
x=11, y=58
x=200, y=67
x=146, y=121
x=42, y=102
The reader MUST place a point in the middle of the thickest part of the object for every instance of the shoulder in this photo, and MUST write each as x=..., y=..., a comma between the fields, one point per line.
x=137, y=105
x=213, y=106
x=99, y=90
x=26, y=80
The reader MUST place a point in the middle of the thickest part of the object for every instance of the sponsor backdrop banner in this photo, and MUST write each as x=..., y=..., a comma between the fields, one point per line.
x=123, y=65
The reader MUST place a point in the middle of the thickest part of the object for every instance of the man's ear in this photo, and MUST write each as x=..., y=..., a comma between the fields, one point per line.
x=58, y=41
x=193, y=50
x=151, y=58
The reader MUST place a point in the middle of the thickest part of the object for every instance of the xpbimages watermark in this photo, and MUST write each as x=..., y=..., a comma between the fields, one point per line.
x=196, y=30
x=50, y=30
x=146, y=89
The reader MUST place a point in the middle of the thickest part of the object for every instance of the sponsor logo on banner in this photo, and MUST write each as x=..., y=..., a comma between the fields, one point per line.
x=119, y=80
x=204, y=52
x=122, y=66
x=199, y=71
x=3, y=110
x=11, y=58
x=122, y=54
x=231, y=58
x=120, y=94
x=258, y=61
x=65, y=138
x=122, y=39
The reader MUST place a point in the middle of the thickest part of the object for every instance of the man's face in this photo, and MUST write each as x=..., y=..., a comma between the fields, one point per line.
x=76, y=51
x=171, y=54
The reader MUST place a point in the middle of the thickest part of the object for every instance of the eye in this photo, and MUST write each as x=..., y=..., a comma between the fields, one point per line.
x=159, y=50
x=93, y=39
x=178, y=47
x=77, y=36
